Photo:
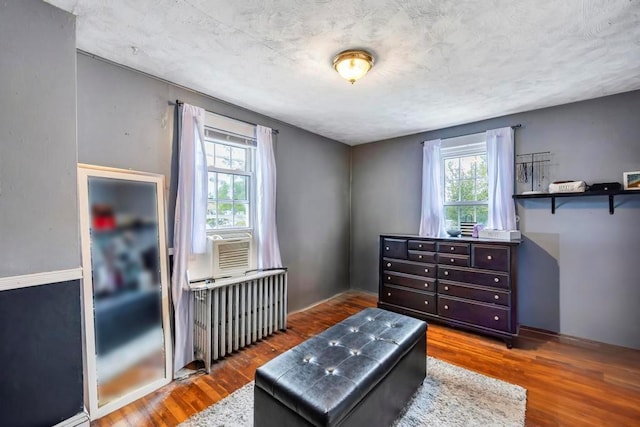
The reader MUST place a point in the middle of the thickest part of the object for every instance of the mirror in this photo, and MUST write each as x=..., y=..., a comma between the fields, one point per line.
x=127, y=341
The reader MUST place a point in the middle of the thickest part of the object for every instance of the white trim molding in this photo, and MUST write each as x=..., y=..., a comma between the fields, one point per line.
x=79, y=420
x=37, y=279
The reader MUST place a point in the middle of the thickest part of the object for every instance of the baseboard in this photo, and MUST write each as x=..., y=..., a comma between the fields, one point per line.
x=541, y=331
x=79, y=420
x=328, y=299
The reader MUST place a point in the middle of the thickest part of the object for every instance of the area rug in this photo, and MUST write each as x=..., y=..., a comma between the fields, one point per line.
x=449, y=396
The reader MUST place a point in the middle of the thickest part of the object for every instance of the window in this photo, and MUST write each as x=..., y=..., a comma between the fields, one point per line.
x=464, y=166
x=230, y=150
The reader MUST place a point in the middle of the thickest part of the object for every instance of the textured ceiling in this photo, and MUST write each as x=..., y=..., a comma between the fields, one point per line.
x=438, y=63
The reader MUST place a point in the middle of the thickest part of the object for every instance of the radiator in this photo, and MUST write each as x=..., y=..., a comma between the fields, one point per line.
x=235, y=312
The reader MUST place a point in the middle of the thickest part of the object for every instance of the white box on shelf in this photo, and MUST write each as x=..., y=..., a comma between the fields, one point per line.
x=499, y=234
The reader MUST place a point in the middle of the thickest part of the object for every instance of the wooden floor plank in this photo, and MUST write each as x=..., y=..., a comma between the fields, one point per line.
x=569, y=381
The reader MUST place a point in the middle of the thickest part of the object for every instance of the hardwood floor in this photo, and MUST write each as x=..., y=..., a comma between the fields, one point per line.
x=569, y=382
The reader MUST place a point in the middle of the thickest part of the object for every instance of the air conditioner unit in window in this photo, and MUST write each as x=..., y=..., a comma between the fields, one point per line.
x=232, y=255
x=227, y=255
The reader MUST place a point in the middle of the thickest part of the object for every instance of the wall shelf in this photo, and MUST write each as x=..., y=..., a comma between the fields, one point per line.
x=554, y=196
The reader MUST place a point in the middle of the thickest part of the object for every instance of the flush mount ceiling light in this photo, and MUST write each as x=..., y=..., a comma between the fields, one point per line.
x=353, y=64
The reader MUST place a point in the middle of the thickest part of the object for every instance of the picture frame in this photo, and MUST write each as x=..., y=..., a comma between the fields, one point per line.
x=631, y=180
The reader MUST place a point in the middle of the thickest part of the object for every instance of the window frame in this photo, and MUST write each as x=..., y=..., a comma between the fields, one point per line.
x=250, y=161
x=457, y=148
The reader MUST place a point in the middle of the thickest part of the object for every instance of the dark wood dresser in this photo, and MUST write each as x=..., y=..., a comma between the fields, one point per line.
x=462, y=282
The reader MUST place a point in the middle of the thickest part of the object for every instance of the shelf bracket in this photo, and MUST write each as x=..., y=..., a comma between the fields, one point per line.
x=610, y=204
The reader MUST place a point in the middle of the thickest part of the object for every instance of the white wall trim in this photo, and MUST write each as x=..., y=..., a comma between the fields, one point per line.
x=37, y=279
x=79, y=420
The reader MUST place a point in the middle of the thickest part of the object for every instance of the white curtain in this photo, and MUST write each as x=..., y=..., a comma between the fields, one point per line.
x=500, y=170
x=432, y=216
x=266, y=231
x=189, y=234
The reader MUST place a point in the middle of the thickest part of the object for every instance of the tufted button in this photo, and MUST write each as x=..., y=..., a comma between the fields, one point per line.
x=333, y=343
x=330, y=371
x=354, y=329
x=307, y=359
x=355, y=352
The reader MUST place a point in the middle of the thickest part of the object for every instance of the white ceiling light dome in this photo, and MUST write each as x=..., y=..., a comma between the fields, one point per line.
x=353, y=64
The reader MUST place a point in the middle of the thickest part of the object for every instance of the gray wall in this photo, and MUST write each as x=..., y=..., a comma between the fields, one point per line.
x=38, y=201
x=124, y=121
x=576, y=268
x=40, y=332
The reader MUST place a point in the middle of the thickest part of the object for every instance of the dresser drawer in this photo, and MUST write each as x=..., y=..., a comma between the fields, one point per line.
x=490, y=257
x=422, y=245
x=409, y=267
x=465, y=275
x=489, y=316
x=453, y=248
x=420, y=283
x=446, y=288
x=450, y=259
x=422, y=256
x=394, y=248
x=420, y=301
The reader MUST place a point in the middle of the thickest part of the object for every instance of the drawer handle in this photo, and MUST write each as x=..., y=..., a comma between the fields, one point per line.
x=426, y=270
x=446, y=307
x=388, y=264
x=426, y=303
x=495, y=279
x=446, y=273
x=452, y=248
x=453, y=260
x=496, y=318
x=419, y=246
x=426, y=285
x=419, y=256
x=496, y=297
x=489, y=257
x=388, y=294
x=446, y=288
x=387, y=248
x=388, y=277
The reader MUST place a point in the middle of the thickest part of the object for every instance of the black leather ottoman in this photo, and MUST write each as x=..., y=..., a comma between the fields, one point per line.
x=360, y=372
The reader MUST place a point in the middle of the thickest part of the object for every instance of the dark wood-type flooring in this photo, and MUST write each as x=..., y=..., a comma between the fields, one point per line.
x=569, y=382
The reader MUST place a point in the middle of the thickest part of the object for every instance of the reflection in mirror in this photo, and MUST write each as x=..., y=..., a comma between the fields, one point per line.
x=126, y=276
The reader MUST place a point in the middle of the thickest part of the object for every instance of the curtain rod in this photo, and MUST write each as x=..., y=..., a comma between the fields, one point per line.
x=472, y=133
x=178, y=103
